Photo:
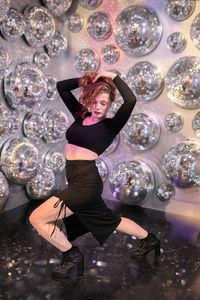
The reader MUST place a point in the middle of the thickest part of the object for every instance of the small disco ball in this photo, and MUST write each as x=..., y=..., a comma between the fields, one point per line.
x=4, y=119
x=110, y=54
x=57, y=45
x=102, y=168
x=51, y=87
x=25, y=86
x=173, y=122
x=58, y=7
x=181, y=164
x=75, y=22
x=131, y=182
x=14, y=122
x=55, y=161
x=19, y=160
x=42, y=185
x=176, y=42
x=34, y=126
x=165, y=192
x=179, y=10
x=4, y=7
x=99, y=26
x=90, y=4
x=114, y=108
x=4, y=61
x=41, y=59
x=4, y=191
x=141, y=132
x=86, y=60
x=196, y=124
x=195, y=32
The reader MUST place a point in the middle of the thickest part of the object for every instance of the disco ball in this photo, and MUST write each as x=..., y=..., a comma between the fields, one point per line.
x=4, y=61
x=114, y=107
x=51, y=87
x=138, y=30
x=55, y=161
x=14, y=122
x=57, y=45
x=195, y=31
x=165, y=192
x=75, y=23
x=41, y=59
x=176, y=42
x=4, y=119
x=145, y=80
x=86, y=60
x=102, y=168
x=141, y=132
x=173, y=122
x=113, y=146
x=40, y=26
x=183, y=82
x=4, y=7
x=34, y=126
x=90, y=4
x=58, y=7
x=13, y=25
x=56, y=125
x=25, y=86
x=181, y=164
x=99, y=26
x=110, y=54
x=196, y=124
x=131, y=182
x=19, y=160
x=42, y=185
x=179, y=10
x=4, y=191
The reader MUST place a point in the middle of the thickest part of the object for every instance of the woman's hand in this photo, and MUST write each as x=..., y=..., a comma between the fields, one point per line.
x=110, y=75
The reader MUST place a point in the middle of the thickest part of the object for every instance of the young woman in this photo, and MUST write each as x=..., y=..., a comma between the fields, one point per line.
x=90, y=134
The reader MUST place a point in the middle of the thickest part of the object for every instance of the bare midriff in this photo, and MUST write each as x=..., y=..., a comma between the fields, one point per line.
x=74, y=152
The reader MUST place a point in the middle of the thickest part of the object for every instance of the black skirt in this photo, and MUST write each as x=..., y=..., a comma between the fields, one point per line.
x=83, y=197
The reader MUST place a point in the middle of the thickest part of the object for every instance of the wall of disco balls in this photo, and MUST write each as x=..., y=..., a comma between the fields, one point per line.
x=154, y=46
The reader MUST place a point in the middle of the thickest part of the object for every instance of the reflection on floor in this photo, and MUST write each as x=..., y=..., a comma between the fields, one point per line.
x=26, y=262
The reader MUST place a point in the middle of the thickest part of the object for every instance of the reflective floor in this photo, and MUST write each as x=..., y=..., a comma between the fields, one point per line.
x=26, y=261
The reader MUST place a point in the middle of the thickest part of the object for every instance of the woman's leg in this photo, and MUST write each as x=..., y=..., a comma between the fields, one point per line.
x=41, y=219
x=130, y=227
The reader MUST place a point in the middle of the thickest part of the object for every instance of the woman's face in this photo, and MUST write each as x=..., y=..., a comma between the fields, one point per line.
x=100, y=106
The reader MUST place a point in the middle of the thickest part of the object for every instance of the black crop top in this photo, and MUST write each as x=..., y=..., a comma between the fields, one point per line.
x=96, y=137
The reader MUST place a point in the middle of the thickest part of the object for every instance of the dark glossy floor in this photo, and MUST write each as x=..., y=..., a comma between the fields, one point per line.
x=26, y=262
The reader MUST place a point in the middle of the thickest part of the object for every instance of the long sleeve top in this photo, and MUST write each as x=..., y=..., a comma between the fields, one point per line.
x=96, y=137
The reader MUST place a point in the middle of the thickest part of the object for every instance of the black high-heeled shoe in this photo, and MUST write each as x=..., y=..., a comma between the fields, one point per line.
x=70, y=259
x=146, y=245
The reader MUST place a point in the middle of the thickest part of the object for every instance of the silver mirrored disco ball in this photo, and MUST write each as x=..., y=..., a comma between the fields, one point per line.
x=75, y=22
x=4, y=191
x=196, y=124
x=99, y=26
x=181, y=164
x=176, y=42
x=41, y=59
x=113, y=146
x=165, y=192
x=86, y=60
x=42, y=185
x=19, y=160
x=25, y=86
x=14, y=122
x=183, y=82
x=90, y=4
x=179, y=10
x=4, y=119
x=57, y=7
x=173, y=122
x=55, y=161
x=114, y=108
x=4, y=61
x=131, y=182
x=4, y=7
x=56, y=125
x=34, y=126
x=51, y=87
x=13, y=25
x=138, y=30
x=57, y=45
x=102, y=168
x=40, y=26
x=141, y=132
x=110, y=54
x=145, y=80
x=195, y=32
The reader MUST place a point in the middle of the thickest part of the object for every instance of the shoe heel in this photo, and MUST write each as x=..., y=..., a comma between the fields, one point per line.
x=157, y=250
x=80, y=270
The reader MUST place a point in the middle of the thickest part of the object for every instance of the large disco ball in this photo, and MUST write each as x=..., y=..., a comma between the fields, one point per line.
x=99, y=26
x=181, y=164
x=145, y=80
x=179, y=10
x=57, y=45
x=138, y=30
x=86, y=60
x=58, y=7
x=13, y=25
x=42, y=185
x=56, y=125
x=183, y=82
x=40, y=26
x=5, y=116
x=102, y=168
x=4, y=191
x=4, y=61
x=25, y=86
x=90, y=4
x=131, y=182
x=165, y=192
x=55, y=161
x=34, y=126
x=195, y=31
x=19, y=160
x=4, y=7
x=141, y=132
